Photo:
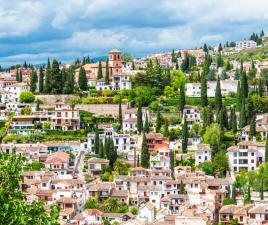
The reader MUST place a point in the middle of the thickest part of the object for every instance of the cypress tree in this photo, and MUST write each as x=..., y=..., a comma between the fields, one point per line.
x=185, y=134
x=139, y=119
x=252, y=130
x=182, y=98
x=112, y=153
x=260, y=87
x=243, y=119
x=166, y=131
x=106, y=147
x=55, y=82
x=138, y=160
x=101, y=150
x=107, y=72
x=218, y=96
x=266, y=150
x=82, y=79
x=146, y=128
x=20, y=76
x=97, y=141
x=238, y=97
x=17, y=76
x=204, y=97
x=120, y=117
x=33, y=81
x=182, y=190
x=225, y=118
x=236, y=75
x=244, y=86
x=158, y=121
x=47, y=87
x=100, y=76
x=145, y=155
x=41, y=80
x=233, y=119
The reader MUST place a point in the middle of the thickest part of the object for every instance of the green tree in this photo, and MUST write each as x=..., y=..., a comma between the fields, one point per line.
x=213, y=137
x=33, y=80
x=41, y=80
x=139, y=119
x=97, y=141
x=166, y=130
x=82, y=79
x=244, y=86
x=158, y=124
x=17, y=76
x=238, y=97
x=146, y=128
x=233, y=120
x=20, y=76
x=243, y=115
x=204, y=97
x=99, y=76
x=145, y=154
x=112, y=153
x=218, y=96
x=14, y=209
x=47, y=86
x=107, y=72
x=101, y=150
x=266, y=150
x=260, y=86
x=55, y=78
x=185, y=135
x=182, y=189
x=26, y=97
x=182, y=100
x=120, y=117
x=252, y=130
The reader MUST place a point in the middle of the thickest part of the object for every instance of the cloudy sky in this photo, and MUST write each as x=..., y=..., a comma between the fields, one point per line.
x=34, y=30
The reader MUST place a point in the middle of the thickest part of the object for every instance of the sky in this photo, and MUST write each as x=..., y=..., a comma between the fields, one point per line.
x=33, y=30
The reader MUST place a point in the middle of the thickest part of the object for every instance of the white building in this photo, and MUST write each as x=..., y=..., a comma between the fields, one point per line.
x=246, y=155
x=191, y=114
x=240, y=45
x=130, y=119
x=227, y=87
x=122, y=142
x=202, y=154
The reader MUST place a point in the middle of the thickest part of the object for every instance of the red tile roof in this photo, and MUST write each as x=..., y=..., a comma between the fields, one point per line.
x=58, y=157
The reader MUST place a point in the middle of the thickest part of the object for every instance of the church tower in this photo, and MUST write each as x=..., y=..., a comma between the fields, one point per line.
x=115, y=62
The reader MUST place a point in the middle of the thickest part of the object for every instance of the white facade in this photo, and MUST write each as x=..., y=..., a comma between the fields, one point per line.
x=246, y=155
x=202, y=154
x=227, y=87
x=239, y=45
x=130, y=119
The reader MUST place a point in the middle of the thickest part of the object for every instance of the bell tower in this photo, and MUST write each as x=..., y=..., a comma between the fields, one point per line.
x=115, y=62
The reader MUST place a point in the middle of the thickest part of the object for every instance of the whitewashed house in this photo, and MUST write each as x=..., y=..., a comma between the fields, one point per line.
x=203, y=153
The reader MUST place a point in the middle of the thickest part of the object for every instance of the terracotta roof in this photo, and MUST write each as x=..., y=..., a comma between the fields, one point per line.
x=98, y=160
x=58, y=157
x=203, y=147
x=119, y=193
x=67, y=200
x=92, y=212
x=157, y=136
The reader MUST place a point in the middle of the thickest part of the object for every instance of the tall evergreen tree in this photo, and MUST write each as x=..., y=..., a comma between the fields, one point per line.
x=243, y=115
x=185, y=135
x=99, y=76
x=41, y=80
x=204, y=97
x=244, y=86
x=233, y=120
x=260, y=87
x=218, y=96
x=112, y=153
x=17, y=75
x=101, y=150
x=20, y=76
x=266, y=150
x=252, y=130
x=107, y=72
x=145, y=154
x=138, y=160
x=47, y=86
x=182, y=189
x=55, y=81
x=139, y=118
x=205, y=48
x=182, y=100
x=146, y=128
x=238, y=97
x=33, y=81
x=158, y=124
x=97, y=141
x=166, y=130
x=120, y=117
x=237, y=75
x=82, y=79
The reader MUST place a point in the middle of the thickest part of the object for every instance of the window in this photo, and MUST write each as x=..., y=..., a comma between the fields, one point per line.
x=252, y=153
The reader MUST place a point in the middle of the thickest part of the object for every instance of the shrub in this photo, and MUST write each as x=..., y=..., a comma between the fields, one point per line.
x=27, y=97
